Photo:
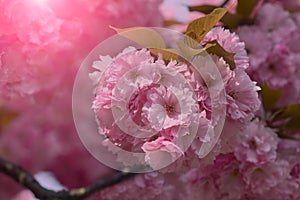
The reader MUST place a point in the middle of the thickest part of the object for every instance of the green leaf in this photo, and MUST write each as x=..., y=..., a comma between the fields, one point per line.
x=198, y=28
x=292, y=114
x=146, y=37
x=292, y=111
x=231, y=21
x=245, y=7
x=167, y=23
x=167, y=54
x=293, y=124
x=269, y=97
x=215, y=48
x=189, y=52
x=206, y=9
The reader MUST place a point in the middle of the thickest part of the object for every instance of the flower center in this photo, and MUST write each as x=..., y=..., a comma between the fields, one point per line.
x=233, y=95
x=252, y=144
x=272, y=67
x=170, y=108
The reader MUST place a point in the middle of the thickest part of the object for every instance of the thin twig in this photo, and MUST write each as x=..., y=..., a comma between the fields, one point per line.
x=27, y=180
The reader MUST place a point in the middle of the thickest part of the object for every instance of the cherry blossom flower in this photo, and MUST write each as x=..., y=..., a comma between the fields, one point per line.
x=261, y=178
x=274, y=59
x=152, y=91
x=258, y=144
x=228, y=170
x=231, y=43
x=275, y=20
x=242, y=96
x=200, y=184
x=258, y=53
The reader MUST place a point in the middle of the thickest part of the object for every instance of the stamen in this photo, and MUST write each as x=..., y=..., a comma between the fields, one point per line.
x=170, y=108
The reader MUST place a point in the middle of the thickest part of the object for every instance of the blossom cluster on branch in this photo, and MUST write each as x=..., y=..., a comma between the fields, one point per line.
x=211, y=113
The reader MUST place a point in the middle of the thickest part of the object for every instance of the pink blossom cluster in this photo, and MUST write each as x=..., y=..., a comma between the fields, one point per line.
x=33, y=43
x=42, y=44
x=272, y=44
x=260, y=167
x=150, y=95
x=259, y=164
x=249, y=161
x=147, y=105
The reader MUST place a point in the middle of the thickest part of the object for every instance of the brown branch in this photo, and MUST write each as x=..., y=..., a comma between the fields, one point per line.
x=27, y=180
